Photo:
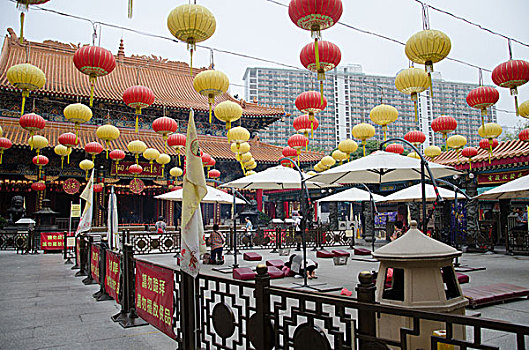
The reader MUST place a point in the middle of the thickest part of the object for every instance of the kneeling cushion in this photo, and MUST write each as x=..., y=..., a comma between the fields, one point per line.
x=362, y=251
x=339, y=252
x=287, y=272
x=243, y=273
x=462, y=278
x=277, y=263
x=324, y=254
x=274, y=272
x=252, y=256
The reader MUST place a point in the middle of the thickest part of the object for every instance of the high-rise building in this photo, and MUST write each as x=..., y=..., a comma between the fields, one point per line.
x=351, y=94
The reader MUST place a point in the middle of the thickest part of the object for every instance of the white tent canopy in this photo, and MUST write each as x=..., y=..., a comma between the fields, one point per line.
x=351, y=195
x=381, y=167
x=213, y=196
x=414, y=194
x=275, y=178
x=518, y=188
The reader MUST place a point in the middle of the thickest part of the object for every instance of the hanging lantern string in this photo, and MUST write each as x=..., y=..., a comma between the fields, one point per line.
x=425, y=17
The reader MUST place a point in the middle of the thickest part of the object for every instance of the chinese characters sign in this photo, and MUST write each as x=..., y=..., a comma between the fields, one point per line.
x=112, y=275
x=94, y=263
x=154, y=296
x=123, y=169
x=78, y=251
x=498, y=178
x=71, y=186
x=51, y=241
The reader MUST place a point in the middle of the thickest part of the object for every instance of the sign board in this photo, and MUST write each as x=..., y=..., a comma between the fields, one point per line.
x=149, y=170
x=70, y=242
x=51, y=240
x=94, y=263
x=154, y=296
x=499, y=178
x=75, y=210
x=112, y=275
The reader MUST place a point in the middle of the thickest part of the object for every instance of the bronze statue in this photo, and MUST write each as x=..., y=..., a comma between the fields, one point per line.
x=17, y=210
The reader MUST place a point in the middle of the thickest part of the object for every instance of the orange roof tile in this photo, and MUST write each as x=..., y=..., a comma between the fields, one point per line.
x=218, y=147
x=169, y=80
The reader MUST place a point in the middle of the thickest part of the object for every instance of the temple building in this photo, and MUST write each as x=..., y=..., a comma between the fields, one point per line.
x=172, y=85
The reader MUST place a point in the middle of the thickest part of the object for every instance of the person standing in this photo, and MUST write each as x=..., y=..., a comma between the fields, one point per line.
x=248, y=230
x=217, y=241
x=160, y=225
x=296, y=216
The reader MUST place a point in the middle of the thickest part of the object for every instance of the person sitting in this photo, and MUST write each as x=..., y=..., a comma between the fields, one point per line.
x=521, y=219
x=160, y=225
x=295, y=264
x=216, y=240
x=398, y=231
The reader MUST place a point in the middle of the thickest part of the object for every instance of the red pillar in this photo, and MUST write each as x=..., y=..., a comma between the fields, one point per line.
x=259, y=195
x=285, y=208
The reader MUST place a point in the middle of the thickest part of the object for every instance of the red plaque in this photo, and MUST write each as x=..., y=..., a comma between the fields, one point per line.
x=112, y=275
x=154, y=296
x=71, y=186
x=51, y=240
x=136, y=186
x=78, y=251
x=94, y=263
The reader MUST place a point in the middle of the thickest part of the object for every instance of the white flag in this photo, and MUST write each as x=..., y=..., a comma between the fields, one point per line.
x=194, y=189
x=112, y=220
x=85, y=224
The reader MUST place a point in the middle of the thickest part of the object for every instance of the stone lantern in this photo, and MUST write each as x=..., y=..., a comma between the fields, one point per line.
x=416, y=272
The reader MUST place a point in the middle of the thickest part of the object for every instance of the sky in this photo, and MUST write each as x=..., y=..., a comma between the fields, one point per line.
x=262, y=28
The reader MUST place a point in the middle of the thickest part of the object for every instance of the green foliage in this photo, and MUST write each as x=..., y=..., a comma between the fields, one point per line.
x=371, y=146
x=512, y=133
x=263, y=219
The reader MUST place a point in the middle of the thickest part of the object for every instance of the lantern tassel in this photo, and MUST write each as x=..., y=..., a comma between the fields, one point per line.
x=162, y=169
x=317, y=54
x=364, y=147
x=470, y=163
x=490, y=150
x=31, y=140
x=298, y=158
x=62, y=162
x=415, y=108
x=191, y=61
x=210, y=107
x=117, y=162
x=68, y=158
x=1, y=155
x=22, y=15
x=516, y=104
x=151, y=166
x=138, y=112
x=321, y=91
x=93, y=158
x=179, y=157
x=130, y=9
x=311, y=129
x=92, y=86
x=384, y=129
x=25, y=93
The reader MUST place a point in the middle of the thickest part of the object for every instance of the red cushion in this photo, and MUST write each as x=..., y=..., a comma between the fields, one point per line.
x=339, y=252
x=324, y=254
x=251, y=256
x=243, y=273
x=277, y=263
x=287, y=272
x=362, y=251
x=274, y=272
x=462, y=278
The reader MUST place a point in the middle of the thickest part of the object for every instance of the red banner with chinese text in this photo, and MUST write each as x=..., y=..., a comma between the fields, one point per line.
x=499, y=178
x=78, y=251
x=112, y=275
x=51, y=240
x=123, y=169
x=154, y=296
x=94, y=263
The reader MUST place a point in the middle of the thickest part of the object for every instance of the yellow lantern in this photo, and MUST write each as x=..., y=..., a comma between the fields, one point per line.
x=107, y=133
x=245, y=157
x=523, y=110
x=348, y=146
x=151, y=154
x=432, y=151
x=162, y=160
x=38, y=142
x=77, y=113
x=339, y=156
x=191, y=23
x=318, y=167
x=250, y=165
x=363, y=131
x=26, y=77
x=383, y=115
x=136, y=147
x=412, y=81
x=311, y=173
x=328, y=161
x=1, y=131
x=456, y=142
x=413, y=155
x=251, y=172
x=228, y=112
x=428, y=47
x=238, y=134
x=62, y=151
x=176, y=172
x=86, y=165
x=491, y=131
x=211, y=83
x=240, y=148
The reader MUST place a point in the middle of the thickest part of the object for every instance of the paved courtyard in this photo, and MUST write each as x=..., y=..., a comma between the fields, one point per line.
x=43, y=306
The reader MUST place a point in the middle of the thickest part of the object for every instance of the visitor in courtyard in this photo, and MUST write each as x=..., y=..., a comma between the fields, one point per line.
x=296, y=216
x=295, y=263
x=248, y=231
x=521, y=219
x=217, y=240
x=398, y=231
x=160, y=225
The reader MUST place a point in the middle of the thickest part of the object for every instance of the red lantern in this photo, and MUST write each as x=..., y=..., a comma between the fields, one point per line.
x=484, y=143
x=117, y=155
x=38, y=186
x=524, y=135
x=98, y=188
x=311, y=102
x=511, y=74
x=415, y=137
x=23, y=5
x=286, y=163
x=329, y=57
x=5, y=143
x=135, y=169
x=138, y=97
x=444, y=125
x=93, y=148
x=303, y=124
x=94, y=61
x=206, y=158
x=298, y=142
x=212, y=162
x=177, y=141
x=32, y=122
x=69, y=140
x=469, y=152
x=482, y=98
x=40, y=161
x=214, y=173
x=289, y=152
x=164, y=126
x=395, y=148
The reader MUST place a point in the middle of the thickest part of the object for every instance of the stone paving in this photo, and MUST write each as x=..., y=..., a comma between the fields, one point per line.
x=43, y=306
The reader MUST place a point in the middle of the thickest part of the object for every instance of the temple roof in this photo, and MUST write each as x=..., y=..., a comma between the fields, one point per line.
x=218, y=147
x=507, y=152
x=170, y=81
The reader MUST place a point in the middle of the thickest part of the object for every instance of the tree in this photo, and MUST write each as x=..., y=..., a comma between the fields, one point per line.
x=371, y=146
x=513, y=133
